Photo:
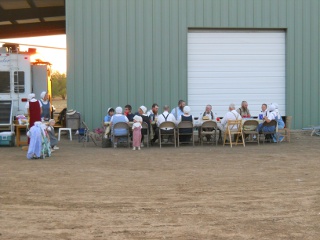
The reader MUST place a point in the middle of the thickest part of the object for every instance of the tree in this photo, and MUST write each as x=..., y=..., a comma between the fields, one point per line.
x=59, y=84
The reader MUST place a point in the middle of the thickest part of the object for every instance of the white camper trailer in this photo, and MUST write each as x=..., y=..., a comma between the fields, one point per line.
x=18, y=78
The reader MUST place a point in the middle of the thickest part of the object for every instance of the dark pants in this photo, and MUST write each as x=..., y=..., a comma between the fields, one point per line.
x=156, y=133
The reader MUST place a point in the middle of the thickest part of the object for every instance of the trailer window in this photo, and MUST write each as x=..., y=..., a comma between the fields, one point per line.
x=19, y=82
x=4, y=82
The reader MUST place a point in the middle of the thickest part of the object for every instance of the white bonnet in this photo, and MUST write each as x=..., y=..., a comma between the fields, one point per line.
x=43, y=94
x=144, y=109
x=271, y=108
x=275, y=105
x=118, y=110
x=137, y=118
x=31, y=95
x=186, y=109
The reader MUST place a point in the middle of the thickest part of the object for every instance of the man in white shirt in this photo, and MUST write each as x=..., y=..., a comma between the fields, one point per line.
x=231, y=115
x=164, y=117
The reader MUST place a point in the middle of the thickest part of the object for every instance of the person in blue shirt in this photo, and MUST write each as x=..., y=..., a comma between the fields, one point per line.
x=178, y=111
x=110, y=113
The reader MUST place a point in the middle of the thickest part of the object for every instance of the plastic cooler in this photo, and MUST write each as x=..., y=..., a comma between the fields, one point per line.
x=7, y=139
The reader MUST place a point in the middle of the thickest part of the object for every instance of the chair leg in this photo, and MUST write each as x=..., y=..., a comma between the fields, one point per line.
x=160, y=138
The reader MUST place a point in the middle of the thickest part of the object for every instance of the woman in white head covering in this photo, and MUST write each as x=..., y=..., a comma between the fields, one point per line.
x=271, y=116
x=145, y=118
x=185, y=117
x=46, y=109
x=279, y=120
x=34, y=108
x=118, y=117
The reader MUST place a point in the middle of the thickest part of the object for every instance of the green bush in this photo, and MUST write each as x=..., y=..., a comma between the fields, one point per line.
x=59, y=84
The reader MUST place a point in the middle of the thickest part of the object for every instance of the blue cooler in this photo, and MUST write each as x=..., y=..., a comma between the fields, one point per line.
x=7, y=139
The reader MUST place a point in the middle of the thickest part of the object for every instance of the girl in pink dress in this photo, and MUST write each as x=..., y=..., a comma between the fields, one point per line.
x=136, y=132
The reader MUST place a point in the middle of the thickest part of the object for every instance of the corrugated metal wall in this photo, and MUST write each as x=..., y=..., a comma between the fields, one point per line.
x=135, y=51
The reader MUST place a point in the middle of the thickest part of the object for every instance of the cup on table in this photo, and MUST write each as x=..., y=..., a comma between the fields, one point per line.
x=218, y=119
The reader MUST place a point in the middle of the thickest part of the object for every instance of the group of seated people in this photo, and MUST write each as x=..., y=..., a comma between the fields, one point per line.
x=154, y=118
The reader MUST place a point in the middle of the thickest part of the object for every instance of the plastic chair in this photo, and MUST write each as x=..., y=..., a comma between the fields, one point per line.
x=164, y=133
x=234, y=127
x=121, y=125
x=250, y=127
x=182, y=126
x=208, y=128
x=286, y=130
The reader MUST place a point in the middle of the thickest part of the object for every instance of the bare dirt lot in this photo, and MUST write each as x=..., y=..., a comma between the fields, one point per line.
x=271, y=191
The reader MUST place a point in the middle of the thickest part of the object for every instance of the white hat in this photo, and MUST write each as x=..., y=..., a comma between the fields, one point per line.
x=118, y=110
x=186, y=109
x=271, y=108
x=31, y=95
x=137, y=118
x=144, y=109
x=43, y=94
x=275, y=105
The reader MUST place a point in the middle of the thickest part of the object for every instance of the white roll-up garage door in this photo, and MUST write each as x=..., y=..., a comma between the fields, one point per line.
x=229, y=66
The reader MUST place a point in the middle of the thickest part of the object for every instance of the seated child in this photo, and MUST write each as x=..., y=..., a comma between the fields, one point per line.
x=53, y=139
x=108, y=119
x=136, y=132
x=110, y=113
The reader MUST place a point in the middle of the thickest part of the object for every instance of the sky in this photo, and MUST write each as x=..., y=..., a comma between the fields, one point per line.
x=57, y=57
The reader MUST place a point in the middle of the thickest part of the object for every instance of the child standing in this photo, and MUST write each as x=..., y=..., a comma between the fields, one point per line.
x=136, y=132
x=53, y=139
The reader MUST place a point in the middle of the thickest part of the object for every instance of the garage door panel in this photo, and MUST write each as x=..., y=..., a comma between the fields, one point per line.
x=231, y=66
x=232, y=57
x=229, y=74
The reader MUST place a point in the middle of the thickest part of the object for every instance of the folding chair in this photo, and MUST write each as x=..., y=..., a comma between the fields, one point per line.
x=185, y=125
x=208, y=128
x=286, y=130
x=86, y=135
x=234, y=127
x=121, y=125
x=164, y=133
x=250, y=127
x=272, y=123
x=146, y=127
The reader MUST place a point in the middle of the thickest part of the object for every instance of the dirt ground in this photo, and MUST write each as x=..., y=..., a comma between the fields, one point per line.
x=271, y=191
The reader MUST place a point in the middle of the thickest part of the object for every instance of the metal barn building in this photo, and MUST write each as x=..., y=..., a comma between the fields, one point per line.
x=203, y=51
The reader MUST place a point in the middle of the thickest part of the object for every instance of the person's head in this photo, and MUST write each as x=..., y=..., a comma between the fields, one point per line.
x=275, y=105
x=44, y=95
x=186, y=110
x=232, y=107
x=52, y=122
x=118, y=110
x=166, y=108
x=142, y=110
x=271, y=108
x=244, y=104
x=137, y=118
x=208, y=108
x=264, y=107
x=181, y=104
x=110, y=111
x=127, y=109
x=155, y=108
x=31, y=96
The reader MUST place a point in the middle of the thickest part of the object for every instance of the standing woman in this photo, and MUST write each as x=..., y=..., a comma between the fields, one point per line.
x=34, y=110
x=45, y=106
